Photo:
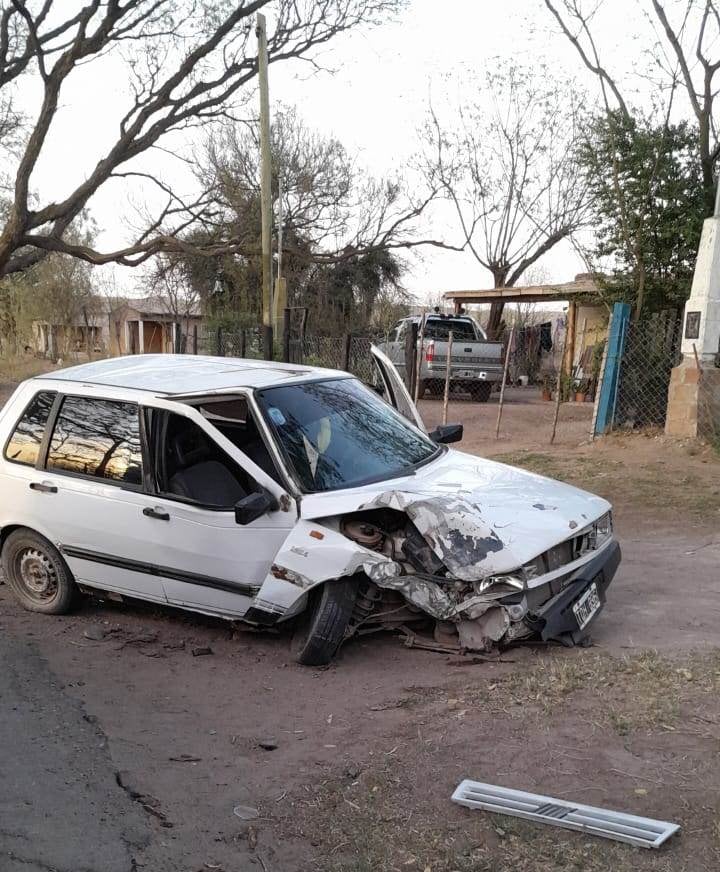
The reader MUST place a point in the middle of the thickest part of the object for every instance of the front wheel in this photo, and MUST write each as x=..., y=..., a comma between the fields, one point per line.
x=322, y=626
x=37, y=574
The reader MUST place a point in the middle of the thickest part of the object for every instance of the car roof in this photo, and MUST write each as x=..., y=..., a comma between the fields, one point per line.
x=170, y=374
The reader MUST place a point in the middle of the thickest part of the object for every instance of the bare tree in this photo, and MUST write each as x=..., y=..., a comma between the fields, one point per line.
x=506, y=164
x=187, y=61
x=325, y=199
x=689, y=55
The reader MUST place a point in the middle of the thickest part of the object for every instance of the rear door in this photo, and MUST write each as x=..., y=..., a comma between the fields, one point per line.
x=395, y=391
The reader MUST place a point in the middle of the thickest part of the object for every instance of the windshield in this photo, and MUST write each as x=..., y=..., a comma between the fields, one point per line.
x=463, y=329
x=338, y=433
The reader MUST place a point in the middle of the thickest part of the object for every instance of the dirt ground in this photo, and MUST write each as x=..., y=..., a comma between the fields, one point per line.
x=351, y=768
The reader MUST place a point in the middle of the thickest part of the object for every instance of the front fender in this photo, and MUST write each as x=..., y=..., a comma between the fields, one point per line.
x=311, y=555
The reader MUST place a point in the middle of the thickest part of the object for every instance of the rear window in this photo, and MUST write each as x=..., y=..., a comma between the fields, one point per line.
x=100, y=438
x=24, y=444
x=439, y=328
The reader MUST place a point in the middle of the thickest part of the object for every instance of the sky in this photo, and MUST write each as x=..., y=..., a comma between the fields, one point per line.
x=374, y=101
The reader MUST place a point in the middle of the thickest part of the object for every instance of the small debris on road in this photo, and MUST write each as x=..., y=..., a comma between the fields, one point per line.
x=96, y=634
x=185, y=758
x=267, y=744
x=202, y=651
x=246, y=812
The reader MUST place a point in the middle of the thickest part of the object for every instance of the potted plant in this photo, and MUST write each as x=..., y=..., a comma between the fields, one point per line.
x=582, y=389
x=548, y=382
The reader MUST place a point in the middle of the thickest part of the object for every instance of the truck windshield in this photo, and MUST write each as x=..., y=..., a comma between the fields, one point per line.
x=463, y=329
x=338, y=433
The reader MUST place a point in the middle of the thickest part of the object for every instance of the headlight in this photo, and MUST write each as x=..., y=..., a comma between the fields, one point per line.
x=510, y=580
x=602, y=530
x=604, y=525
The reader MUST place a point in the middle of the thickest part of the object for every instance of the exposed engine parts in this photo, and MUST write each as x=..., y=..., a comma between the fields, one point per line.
x=393, y=534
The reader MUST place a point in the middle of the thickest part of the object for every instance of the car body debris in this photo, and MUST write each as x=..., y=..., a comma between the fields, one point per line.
x=621, y=827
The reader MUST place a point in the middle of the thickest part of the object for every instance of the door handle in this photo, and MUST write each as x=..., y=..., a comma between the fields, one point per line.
x=158, y=514
x=43, y=487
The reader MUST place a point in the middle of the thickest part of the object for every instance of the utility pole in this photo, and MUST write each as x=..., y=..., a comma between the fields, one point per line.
x=265, y=188
x=280, y=290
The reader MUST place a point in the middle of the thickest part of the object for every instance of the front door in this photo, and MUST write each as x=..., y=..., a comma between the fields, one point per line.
x=395, y=391
x=208, y=561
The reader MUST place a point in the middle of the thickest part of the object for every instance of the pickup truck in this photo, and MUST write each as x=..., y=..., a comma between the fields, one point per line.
x=476, y=362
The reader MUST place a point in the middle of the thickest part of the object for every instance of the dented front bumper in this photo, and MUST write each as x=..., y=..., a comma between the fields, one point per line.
x=555, y=619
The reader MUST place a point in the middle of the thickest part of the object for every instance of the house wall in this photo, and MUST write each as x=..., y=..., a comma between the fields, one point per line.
x=157, y=332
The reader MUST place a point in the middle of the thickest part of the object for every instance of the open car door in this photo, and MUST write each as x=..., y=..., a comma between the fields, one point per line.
x=395, y=391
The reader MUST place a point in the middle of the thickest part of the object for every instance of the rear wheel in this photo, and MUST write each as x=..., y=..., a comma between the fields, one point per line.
x=481, y=391
x=322, y=627
x=37, y=574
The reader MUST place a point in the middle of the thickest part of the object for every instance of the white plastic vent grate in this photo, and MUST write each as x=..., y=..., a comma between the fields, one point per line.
x=640, y=831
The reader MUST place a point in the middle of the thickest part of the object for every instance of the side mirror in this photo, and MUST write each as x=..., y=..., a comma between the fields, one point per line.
x=253, y=506
x=444, y=434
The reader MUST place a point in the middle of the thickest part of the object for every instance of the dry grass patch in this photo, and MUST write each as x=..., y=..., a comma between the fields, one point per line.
x=650, y=486
x=392, y=812
x=17, y=368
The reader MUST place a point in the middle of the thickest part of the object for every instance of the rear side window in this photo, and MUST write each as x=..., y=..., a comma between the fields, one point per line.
x=100, y=438
x=439, y=328
x=24, y=444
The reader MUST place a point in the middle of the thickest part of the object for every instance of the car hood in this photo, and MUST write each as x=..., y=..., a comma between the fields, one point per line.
x=481, y=517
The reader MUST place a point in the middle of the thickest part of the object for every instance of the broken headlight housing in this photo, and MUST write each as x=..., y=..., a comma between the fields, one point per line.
x=602, y=529
x=510, y=582
x=589, y=539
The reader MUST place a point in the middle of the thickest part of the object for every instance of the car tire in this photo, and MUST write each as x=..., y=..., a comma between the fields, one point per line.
x=481, y=392
x=37, y=574
x=322, y=627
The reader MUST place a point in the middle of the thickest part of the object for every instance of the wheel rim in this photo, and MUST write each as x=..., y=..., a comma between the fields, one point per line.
x=37, y=574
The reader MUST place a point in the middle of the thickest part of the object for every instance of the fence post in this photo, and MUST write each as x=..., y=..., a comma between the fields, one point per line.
x=286, y=335
x=448, y=366
x=558, y=386
x=608, y=390
x=242, y=342
x=504, y=382
x=347, y=341
x=220, y=347
x=411, y=358
x=195, y=338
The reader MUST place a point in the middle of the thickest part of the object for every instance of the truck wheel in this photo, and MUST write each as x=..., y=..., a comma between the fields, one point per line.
x=422, y=387
x=322, y=626
x=37, y=574
x=481, y=391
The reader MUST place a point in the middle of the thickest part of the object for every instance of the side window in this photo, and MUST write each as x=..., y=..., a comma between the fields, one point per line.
x=190, y=465
x=100, y=438
x=24, y=444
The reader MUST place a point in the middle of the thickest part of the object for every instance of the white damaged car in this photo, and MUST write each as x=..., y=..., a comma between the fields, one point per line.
x=274, y=493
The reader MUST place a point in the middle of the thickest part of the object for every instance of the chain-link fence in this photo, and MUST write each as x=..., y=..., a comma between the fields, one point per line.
x=347, y=352
x=231, y=342
x=651, y=350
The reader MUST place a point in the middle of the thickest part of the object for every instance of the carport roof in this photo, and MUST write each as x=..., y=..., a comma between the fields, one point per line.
x=583, y=284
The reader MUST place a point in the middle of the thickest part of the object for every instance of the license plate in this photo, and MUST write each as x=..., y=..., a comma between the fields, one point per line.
x=464, y=373
x=587, y=606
